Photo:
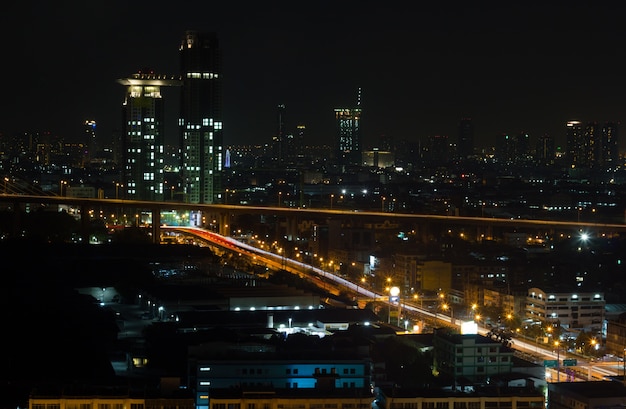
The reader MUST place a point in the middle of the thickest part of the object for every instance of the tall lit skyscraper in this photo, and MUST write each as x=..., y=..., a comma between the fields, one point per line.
x=576, y=145
x=143, y=135
x=610, y=144
x=592, y=145
x=200, y=121
x=90, y=140
x=348, y=123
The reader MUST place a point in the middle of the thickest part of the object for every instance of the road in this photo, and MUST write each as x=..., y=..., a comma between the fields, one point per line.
x=584, y=369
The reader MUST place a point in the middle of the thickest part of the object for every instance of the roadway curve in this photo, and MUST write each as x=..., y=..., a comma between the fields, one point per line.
x=585, y=368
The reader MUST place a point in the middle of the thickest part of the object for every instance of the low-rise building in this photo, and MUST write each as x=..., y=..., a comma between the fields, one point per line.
x=470, y=357
x=591, y=394
x=570, y=310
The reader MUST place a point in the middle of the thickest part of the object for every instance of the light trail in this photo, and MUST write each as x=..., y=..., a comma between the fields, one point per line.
x=594, y=371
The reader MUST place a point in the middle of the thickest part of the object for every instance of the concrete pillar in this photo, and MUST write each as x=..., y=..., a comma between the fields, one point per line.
x=156, y=225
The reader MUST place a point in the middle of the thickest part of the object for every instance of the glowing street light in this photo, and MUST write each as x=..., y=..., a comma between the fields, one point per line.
x=558, y=361
x=394, y=297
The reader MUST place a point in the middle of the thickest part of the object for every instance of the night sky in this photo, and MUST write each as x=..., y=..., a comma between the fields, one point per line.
x=510, y=66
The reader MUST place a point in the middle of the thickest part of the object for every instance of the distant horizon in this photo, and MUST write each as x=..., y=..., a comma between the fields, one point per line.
x=510, y=67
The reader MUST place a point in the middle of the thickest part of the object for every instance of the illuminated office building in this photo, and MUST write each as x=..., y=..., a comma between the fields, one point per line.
x=348, y=125
x=200, y=121
x=143, y=136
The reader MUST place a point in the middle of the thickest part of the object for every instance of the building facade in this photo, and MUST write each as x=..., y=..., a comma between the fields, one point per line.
x=289, y=378
x=200, y=125
x=568, y=309
x=143, y=135
x=100, y=401
x=473, y=357
x=348, y=125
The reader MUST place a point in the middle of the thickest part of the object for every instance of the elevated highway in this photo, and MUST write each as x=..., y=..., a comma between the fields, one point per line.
x=584, y=369
x=223, y=215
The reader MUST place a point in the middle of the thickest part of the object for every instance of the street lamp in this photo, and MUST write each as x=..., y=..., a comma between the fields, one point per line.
x=117, y=189
x=558, y=361
x=362, y=285
x=447, y=307
x=394, y=296
x=382, y=206
x=331, y=201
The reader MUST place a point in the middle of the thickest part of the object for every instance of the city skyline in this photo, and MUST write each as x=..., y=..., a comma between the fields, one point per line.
x=510, y=68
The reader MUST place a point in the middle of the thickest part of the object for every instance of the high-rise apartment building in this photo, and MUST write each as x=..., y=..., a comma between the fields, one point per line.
x=465, y=142
x=575, y=144
x=348, y=125
x=544, y=150
x=594, y=146
x=280, y=139
x=200, y=124
x=609, y=154
x=592, y=142
x=143, y=135
x=90, y=140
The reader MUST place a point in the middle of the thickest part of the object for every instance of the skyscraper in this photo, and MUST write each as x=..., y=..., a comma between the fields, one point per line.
x=348, y=126
x=610, y=144
x=465, y=142
x=576, y=145
x=545, y=150
x=143, y=135
x=200, y=125
x=279, y=140
x=90, y=141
